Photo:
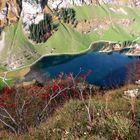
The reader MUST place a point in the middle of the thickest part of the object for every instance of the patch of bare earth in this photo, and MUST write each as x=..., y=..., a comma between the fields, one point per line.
x=101, y=24
x=87, y=26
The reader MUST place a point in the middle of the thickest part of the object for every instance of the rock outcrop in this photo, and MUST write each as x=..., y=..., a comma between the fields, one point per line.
x=56, y=4
x=9, y=11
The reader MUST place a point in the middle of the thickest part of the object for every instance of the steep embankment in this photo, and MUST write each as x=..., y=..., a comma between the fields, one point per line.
x=107, y=115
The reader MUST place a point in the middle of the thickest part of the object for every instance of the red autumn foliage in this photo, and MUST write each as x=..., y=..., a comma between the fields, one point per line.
x=5, y=98
x=32, y=103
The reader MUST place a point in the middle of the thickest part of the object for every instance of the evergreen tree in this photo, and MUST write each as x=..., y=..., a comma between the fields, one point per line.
x=67, y=15
x=37, y=31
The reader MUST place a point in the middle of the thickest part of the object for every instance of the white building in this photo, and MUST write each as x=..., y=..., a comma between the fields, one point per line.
x=137, y=47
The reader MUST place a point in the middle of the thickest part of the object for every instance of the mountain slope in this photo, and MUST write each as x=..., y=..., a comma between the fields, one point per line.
x=20, y=52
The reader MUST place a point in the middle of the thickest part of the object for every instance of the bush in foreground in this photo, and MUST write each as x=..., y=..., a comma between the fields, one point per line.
x=112, y=116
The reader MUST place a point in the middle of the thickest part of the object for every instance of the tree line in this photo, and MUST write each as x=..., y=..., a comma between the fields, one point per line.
x=42, y=31
x=68, y=15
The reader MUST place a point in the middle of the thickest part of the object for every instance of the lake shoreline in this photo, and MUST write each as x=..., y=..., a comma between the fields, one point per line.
x=105, y=72
x=73, y=53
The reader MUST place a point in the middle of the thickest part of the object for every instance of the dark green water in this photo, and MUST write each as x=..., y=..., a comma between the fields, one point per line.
x=107, y=70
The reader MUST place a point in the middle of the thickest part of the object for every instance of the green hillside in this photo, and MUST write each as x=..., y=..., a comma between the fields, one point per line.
x=67, y=40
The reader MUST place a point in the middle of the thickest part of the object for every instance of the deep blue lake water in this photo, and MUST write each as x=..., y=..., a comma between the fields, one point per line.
x=108, y=69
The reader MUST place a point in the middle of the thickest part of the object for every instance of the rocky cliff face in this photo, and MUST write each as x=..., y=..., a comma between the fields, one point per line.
x=10, y=10
x=56, y=4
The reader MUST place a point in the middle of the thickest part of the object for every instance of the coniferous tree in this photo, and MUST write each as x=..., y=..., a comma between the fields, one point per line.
x=38, y=31
x=67, y=15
